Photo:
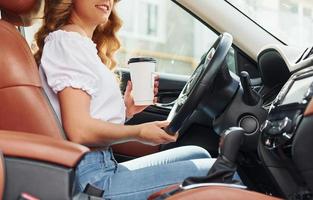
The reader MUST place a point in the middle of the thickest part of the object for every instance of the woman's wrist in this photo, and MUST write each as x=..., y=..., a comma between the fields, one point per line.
x=135, y=131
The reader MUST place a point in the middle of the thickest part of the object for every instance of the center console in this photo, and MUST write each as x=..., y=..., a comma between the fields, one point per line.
x=286, y=142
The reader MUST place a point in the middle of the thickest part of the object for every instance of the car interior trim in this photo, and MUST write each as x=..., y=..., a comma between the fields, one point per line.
x=43, y=148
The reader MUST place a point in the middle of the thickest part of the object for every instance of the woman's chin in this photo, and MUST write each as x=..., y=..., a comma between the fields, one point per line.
x=103, y=20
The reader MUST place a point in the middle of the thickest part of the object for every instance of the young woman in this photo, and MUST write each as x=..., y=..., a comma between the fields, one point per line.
x=76, y=45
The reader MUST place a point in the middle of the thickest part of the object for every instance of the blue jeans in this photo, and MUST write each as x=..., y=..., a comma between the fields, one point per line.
x=138, y=178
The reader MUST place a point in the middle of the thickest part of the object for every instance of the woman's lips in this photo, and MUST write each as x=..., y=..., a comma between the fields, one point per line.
x=104, y=8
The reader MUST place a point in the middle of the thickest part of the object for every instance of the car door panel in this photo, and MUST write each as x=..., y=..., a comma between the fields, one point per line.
x=130, y=150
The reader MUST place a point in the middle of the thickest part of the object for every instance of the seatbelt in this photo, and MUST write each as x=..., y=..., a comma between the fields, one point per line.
x=93, y=191
x=26, y=196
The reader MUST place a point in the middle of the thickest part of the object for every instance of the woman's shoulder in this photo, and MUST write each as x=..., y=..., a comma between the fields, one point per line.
x=74, y=28
x=70, y=33
x=69, y=46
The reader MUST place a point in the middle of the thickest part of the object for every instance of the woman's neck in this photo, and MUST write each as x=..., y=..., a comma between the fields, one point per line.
x=88, y=29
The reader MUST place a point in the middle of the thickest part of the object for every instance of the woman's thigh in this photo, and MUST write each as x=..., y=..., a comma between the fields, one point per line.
x=139, y=184
x=165, y=157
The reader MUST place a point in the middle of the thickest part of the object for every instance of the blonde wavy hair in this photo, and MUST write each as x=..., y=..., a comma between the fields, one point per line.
x=57, y=14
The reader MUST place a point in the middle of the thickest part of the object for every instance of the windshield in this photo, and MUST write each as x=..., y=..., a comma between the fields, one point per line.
x=291, y=21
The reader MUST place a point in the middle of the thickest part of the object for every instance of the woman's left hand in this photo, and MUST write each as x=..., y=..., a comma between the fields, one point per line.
x=131, y=108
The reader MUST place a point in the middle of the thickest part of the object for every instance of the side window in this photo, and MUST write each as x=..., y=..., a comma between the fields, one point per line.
x=163, y=30
x=147, y=25
x=30, y=33
x=159, y=29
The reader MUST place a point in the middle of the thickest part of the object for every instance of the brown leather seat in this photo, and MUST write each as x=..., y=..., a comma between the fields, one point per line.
x=24, y=106
x=214, y=193
x=31, y=137
x=17, y=6
x=2, y=175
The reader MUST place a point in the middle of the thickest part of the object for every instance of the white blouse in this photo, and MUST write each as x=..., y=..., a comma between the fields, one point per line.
x=71, y=60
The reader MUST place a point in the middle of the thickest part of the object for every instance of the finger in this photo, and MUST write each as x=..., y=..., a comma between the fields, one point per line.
x=155, y=100
x=128, y=88
x=170, y=138
x=176, y=135
x=156, y=84
x=156, y=90
x=130, y=85
x=163, y=124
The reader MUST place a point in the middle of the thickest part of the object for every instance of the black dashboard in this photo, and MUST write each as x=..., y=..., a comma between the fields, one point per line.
x=286, y=141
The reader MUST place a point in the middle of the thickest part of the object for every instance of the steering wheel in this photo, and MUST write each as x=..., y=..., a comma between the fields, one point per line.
x=199, y=82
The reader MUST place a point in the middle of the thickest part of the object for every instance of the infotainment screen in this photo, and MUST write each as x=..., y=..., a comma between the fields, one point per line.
x=298, y=90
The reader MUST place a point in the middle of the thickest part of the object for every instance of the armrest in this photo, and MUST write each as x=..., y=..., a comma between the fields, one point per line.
x=41, y=148
x=2, y=175
x=221, y=193
x=213, y=191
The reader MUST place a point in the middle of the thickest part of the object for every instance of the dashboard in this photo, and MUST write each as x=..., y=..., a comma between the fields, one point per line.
x=286, y=142
x=287, y=109
x=299, y=90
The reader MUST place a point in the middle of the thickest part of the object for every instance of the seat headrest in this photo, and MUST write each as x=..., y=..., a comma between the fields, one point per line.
x=17, y=6
x=21, y=12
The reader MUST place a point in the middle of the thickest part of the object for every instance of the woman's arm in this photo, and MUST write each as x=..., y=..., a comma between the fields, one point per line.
x=82, y=128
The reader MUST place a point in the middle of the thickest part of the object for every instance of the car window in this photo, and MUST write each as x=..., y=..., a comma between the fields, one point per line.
x=163, y=30
x=30, y=32
x=160, y=29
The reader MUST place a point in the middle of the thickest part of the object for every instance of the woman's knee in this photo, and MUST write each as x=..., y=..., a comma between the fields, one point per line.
x=197, y=152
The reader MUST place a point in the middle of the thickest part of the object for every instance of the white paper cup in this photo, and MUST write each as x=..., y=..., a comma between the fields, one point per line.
x=142, y=74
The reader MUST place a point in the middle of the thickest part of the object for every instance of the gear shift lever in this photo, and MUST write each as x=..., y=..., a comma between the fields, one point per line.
x=225, y=165
x=230, y=142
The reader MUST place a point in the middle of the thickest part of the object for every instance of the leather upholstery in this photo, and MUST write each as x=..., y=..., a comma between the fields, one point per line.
x=42, y=148
x=2, y=175
x=220, y=193
x=135, y=149
x=17, y=6
x=163, y=191
x=18, y=66
x=24, y=106
x=217, y=193
x=12, y=18
x=30, y=12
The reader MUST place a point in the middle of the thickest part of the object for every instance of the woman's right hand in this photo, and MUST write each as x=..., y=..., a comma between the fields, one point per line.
x=151, y=133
